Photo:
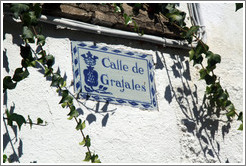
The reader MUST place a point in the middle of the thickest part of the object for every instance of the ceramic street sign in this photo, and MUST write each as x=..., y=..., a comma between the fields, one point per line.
x=113, y=75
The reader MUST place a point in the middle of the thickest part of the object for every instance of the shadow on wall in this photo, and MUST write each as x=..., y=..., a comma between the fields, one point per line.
x=197, y=121
x=7, y=140
x=14, y=157
x=199, y=117
x=17, y=153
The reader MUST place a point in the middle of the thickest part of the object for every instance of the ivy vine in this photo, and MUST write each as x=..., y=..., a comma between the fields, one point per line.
x=217, y=96
x=29, y=14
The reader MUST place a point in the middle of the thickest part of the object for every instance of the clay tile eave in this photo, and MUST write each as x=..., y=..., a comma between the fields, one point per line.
x=104, y=15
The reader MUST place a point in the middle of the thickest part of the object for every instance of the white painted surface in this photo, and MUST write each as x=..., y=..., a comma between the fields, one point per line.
x=178, y=133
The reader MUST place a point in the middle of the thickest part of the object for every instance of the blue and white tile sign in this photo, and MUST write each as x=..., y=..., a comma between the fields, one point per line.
x=113, y=75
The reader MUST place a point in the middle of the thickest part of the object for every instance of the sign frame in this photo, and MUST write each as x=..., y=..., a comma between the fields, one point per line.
x=91, y=75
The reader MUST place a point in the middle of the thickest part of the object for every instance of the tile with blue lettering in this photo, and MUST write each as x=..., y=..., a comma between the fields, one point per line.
x=112, y=75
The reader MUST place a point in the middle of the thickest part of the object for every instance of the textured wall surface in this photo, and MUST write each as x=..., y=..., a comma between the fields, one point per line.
x=181, y=131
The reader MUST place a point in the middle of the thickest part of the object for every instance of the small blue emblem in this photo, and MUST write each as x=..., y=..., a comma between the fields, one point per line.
x=91, y=75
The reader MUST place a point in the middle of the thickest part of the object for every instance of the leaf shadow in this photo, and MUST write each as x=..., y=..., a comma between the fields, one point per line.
x=5, y=61
x=95, y=111
x=14, y=157
x=91, y=118
x=80, y=111
x=198, y=116
x=105, y=107
x=105, y=120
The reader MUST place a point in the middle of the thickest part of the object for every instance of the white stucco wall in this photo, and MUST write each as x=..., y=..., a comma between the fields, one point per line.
x=180, y=132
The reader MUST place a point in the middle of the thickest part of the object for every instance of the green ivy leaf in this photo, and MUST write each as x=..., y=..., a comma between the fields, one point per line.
x=82, y=142
x=64, y=93
x=216, y=88
x=26, y=63
x=192, y=30
x=177, y=17
x=55, y=80
x=117, y=9
x=39, y=121
x=203, y=73
x=50, y=60
x=18, y=9
x=231, y=107
x=19, y=119
x=30, y=19
x=188, y=33
x=223, y=97
x=195, y=54
x=227, y=103
x=30, y=121
x=73, y=113
x=174, y=17
x=83, y=125
x=87, y=156
x=240, y=116
x=239, y=6
x=197, y=59
x=97, y=161
x=240, y=127
x=128, y=19
x=191, y=54
x=80, y=125
x=170, y=7
x=66, y=98
x=20, y=74
x=184, y=32
x=87, y=141
x=94, y=159
x=47, y=72
x=27, y=35
x=213, y=59
x=64, y=105
x=4, y=158
x=142, y=33
x=69, y=99
x=41, y=40
x=63, y=83
x=230, y=114
x=210, y=79
x=8, y=83
x=26, y=53
x=32, y=63
x=208, y=90
x=136, y=28
x=42, y=59
x=37, y=9
x=201, y=48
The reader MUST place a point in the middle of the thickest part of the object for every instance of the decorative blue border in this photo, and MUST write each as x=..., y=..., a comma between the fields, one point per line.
x=75, y=46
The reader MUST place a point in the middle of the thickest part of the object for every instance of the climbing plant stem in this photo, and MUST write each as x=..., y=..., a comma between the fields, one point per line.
x=83, y=136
